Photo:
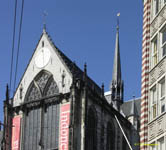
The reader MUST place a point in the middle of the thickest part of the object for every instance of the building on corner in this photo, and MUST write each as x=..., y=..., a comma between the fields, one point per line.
x=153, y=111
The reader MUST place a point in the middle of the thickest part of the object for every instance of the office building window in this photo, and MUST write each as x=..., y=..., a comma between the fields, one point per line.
x=161, y=145
x=162, y=95
x=155, y=6
x=153, y=146
x=163, y=42
x=154, y=52
x=162, y=3
x=154, y=102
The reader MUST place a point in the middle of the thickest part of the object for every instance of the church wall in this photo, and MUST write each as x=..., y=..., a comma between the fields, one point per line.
x=48, y=123
x=103, y=117
x=55, y=66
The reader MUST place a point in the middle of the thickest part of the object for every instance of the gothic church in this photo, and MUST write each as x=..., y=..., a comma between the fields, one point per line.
x=57, y=106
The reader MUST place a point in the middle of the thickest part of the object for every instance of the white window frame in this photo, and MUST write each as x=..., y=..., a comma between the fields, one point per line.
x=155, y=7
x=153, y=96
x=153, y=146
x=161, y=144
x=154, y=60
x=162, y=44
x=162, y=95
x=162, y=3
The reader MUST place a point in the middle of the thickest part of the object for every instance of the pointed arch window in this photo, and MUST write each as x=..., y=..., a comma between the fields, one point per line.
x=34, y=93
x=91, y=132
x=43, y=85
x=41, y=122
x=110, y=136
x=51, y=88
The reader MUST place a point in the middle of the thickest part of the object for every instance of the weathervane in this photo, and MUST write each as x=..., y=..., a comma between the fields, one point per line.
x=118, y=14
x=45, y=14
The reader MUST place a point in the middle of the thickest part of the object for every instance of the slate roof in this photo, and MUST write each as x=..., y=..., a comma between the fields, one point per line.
x=127, y=106
x=77, y=71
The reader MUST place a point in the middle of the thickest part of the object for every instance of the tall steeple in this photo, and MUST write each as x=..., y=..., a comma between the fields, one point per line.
x=117, y=65
x=116, y=86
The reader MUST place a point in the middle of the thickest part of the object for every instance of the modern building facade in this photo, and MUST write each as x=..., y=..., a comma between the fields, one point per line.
x=58, y=107
x=153, y=111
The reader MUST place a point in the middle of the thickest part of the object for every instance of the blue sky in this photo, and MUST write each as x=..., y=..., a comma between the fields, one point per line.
x=84, y=31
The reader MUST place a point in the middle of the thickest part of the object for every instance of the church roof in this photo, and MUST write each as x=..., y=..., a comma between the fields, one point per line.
x=127, y=107
x=78, y=73
x=132, y=107
x=133, y=111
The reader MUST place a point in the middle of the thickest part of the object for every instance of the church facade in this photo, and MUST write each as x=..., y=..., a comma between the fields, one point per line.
x=56, y=106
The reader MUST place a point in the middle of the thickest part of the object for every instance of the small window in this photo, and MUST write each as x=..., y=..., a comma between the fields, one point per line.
x=155, y=6
x=154, y=102
x=162, y=95
x=162, y=3
x=154, y=52
x=42, y=43
x=163, y=42
x=21, y=89
x=153, y=146
x=161, y=145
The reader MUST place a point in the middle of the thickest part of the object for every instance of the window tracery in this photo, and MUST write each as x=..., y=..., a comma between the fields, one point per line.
x=34, y=93
x=42, y=81
x=43, y=85
x=51, y=89
x=42, y=121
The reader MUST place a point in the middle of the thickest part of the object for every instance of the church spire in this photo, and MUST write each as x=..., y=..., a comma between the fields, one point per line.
x=117, y=65
x=117, y=83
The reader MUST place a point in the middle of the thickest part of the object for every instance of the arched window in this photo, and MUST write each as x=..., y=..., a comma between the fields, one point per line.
x=41, y=122
x=43, y=85
x=91, y=130
x=110, y=136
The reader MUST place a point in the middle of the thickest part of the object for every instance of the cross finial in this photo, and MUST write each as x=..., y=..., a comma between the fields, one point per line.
x=118, y=14
x=85, y=68
x=45, y=14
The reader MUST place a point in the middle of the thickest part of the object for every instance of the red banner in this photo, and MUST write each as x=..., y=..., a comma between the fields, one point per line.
x=16, y=133
x=64, y=127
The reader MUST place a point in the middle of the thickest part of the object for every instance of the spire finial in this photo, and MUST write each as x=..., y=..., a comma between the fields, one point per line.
x=7, y=92
x=45, y=14
x=118, y=14
x=85, y=68
x=102, y=89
